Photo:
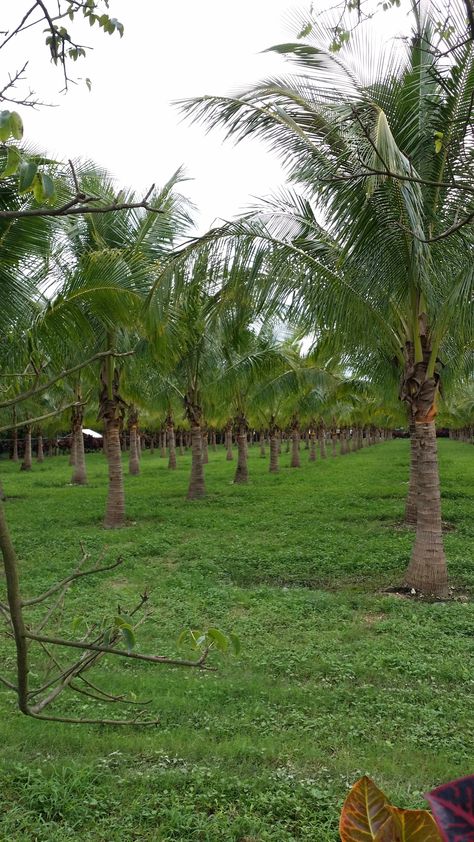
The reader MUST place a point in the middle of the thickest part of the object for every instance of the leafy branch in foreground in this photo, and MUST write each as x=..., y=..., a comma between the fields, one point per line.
x=98, y=639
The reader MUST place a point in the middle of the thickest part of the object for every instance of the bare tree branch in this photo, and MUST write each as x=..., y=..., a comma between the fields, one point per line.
x=79, y=205
x=154, y=659
x=36, y=390
x=78, y=574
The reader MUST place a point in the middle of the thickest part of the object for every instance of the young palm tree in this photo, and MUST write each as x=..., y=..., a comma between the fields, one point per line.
x=109, y=262
x=383, y=148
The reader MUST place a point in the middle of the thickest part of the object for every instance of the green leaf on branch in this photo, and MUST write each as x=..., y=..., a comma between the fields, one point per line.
x=5, y=128
x=129, y=636
x=218, y=639
x=27, y=172
x=13, y=162
x=47, y=185
x=16, y=125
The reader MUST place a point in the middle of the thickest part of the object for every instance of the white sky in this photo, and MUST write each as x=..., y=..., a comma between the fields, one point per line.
x=170, y=50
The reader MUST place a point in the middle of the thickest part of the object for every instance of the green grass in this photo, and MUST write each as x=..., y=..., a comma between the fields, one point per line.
x=335, y=679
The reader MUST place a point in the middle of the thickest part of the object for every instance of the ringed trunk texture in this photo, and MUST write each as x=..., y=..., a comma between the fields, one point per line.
x=133, y=458
x=228, y=437
x=427, y=571
x=205, y=449
x=39, y=449
x=27, y=458
x=79, y=476
x=197, y=487
x=241, y=471
x=295, y=448
x=171, y=447
x=115, y=510
x=274, y=452
x=312, y=447
x=411, y=502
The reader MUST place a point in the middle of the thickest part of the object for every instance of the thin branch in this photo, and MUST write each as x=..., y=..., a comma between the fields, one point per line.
x=36, y=390
x=154, y=659
x=72, y=721
x=30, y=421
x=76, y=206
x=446, y=233
x=107, y=697
x=76, y=575
x=19, y=27
x=8, y=684
x=451, y=185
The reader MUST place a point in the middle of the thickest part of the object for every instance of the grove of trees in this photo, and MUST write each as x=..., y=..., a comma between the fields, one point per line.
x=338, y=310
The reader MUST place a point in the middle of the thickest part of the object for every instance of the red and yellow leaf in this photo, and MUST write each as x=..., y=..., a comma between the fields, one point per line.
x=414, y=826
x=365, y=811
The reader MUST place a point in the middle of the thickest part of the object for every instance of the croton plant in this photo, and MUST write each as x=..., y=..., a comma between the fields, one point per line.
x=368, y=815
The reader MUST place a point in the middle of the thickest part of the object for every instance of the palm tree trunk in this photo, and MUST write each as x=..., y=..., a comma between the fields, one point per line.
x=427, y=571
x=334, y=442
x=115, y=510
x=411, y=501
x=181, y=443
x=79, y=476
x=262, y=444
x=133, y=460
x=171, y=443
x=197, y=486
x=77, y=442
x=213, y=441
x=228, y=434
x=274, y=450
x=312, y=446
x=27, y=458
x=205, y=449
x=241, y=471
x=162, y=444
x=39, y=449
x=111, y=412
x=295, y=447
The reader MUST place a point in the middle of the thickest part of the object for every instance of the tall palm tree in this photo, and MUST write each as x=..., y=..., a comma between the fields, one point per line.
x=109, y=263
x=382, y=148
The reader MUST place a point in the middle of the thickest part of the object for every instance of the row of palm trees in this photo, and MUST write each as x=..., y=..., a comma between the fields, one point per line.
x=360, y=256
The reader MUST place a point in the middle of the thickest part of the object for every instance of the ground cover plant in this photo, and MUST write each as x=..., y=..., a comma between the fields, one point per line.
x=335, y=678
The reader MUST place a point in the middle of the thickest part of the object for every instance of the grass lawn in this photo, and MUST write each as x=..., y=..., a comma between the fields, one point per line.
x=334, y=680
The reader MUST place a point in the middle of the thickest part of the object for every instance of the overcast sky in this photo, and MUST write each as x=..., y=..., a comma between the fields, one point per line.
x=170, y=50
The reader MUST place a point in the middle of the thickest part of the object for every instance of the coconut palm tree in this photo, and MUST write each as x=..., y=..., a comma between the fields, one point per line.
x=109, y=263
x=382, y=149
